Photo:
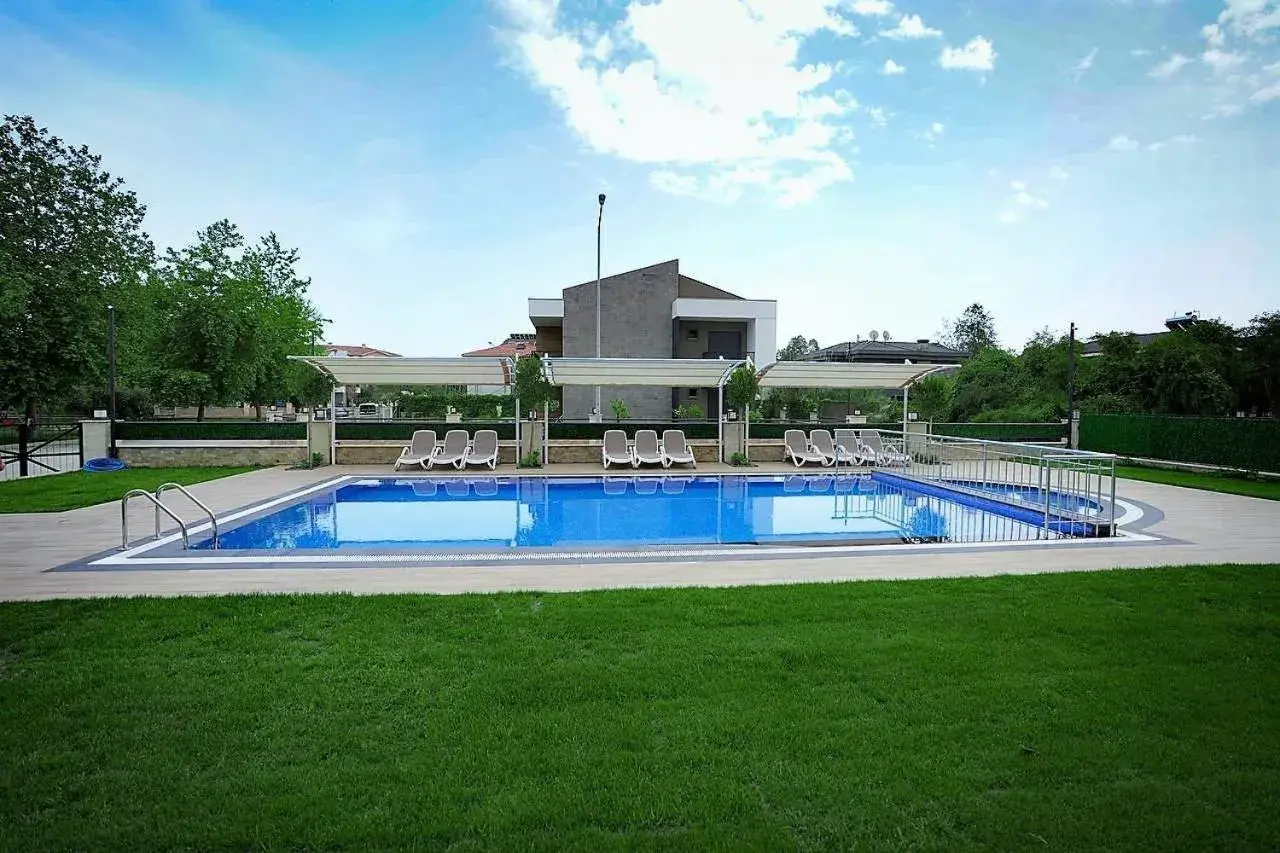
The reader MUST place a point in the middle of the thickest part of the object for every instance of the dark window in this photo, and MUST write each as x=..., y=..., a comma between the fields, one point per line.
x=691, y=334
x=693, y=392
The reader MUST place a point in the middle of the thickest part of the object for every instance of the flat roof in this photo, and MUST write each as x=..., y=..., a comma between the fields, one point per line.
x=843, y=374
x=376, y=370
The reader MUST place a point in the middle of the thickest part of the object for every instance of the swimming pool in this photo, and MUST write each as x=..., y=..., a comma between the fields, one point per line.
x=489, y=514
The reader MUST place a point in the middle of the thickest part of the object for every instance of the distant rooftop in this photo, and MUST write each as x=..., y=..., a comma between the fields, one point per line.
x=361, y=351
x=922, y=350
x=516, y=344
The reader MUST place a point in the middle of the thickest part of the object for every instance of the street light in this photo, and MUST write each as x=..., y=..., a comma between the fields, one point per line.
x=599, y=225
x=111, y=377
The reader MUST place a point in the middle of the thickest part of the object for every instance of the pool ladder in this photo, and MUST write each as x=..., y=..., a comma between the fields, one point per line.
x=161, y=506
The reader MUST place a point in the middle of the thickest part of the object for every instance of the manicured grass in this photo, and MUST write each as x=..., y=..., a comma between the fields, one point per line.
x=57, y=492
x=1114, y=710
x=1210, y=482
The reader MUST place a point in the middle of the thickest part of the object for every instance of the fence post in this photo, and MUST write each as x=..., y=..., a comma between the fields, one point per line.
x=24, y=441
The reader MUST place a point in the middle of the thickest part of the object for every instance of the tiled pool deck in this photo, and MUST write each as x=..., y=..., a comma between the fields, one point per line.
x=1189, y=526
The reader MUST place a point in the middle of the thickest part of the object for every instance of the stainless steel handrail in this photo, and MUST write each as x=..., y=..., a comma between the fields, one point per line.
x=195, y=500
x=124, y=517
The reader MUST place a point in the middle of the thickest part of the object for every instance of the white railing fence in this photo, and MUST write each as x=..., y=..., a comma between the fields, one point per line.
x=1071, y=491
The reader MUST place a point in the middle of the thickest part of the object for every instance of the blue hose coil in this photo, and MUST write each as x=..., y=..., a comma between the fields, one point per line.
x=103, y=464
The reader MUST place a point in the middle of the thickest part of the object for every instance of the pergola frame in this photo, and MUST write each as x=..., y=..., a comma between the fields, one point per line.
x=591, y=372
x=846, y=375
x=393, y=370
x=645, y=372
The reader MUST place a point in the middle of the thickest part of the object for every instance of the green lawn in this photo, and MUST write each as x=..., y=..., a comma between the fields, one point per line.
x=1127, y=710
x=57, y=492
x=1210, y=482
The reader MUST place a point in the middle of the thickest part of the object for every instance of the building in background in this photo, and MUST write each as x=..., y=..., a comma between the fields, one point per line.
x=516, y=345
x=652, y=312
x=1181, y=321
x=919, y=351
x=347, y=395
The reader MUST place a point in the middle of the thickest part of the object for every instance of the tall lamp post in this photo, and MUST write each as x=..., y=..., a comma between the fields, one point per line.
x=599, y=225
x=111, y=376
x=1071, y=386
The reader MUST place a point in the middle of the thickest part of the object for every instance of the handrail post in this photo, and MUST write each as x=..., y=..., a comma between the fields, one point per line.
x=124, y=517
x=213, y=521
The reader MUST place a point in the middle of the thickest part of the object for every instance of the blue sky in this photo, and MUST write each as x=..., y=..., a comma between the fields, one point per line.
x=869, y=164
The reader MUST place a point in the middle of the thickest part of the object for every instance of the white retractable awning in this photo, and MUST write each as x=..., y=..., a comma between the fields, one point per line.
x=383, y=370
x=662, y=372
x=839, y=374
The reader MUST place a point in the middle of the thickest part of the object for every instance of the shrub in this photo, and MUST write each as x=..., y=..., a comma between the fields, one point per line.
x=741, y=461
x=403, y=430
x=1028, y=432
x=532, y=459
x=620, y=410
x=211, y=430
x=689, y=412
x=1249, y=443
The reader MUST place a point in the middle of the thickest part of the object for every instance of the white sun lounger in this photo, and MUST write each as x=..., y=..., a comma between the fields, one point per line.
x=886, y=454
x=847, y=440
x=614, y=451
x=456, y=443
x=798, y=449
x=675, y=450
x=483, y=449
x=420, y=450
x=820, y=441
x=645, y=450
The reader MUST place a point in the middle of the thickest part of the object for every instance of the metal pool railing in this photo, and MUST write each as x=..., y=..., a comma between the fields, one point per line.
x=1070, y=492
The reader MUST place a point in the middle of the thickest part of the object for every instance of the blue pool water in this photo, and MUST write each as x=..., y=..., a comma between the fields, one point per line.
x=470, y=514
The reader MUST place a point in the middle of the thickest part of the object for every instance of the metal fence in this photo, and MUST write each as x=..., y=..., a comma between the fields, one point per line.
x=1067, y=492
x=48, y=447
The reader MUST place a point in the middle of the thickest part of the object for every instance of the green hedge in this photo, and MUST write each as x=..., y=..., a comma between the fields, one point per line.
x=1252, y=444
x=220, y=430
x=1004, y=432
x=692, y=429
x=403, y=430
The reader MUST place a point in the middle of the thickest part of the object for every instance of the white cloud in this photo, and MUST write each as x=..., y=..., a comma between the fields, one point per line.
x=1122, y=143
x=892, y=68
x=1180, y=139
x=1140, y=51
x=1082, y=67
x=1170, y=67
x=871, y=8
x=877, y=116
x=1265, y=95
x=911, y=27
x=1213, y=35
x=1273, y=68
x=1058, y=173
x=1223, y=111
x=934, y=133
x=679, y=64
x=978, y=55
x=1250, y=18
x=1222, y=60
x=1021, y=203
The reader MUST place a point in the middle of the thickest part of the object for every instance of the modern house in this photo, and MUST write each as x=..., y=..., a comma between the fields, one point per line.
x=919, y=351
x=652, y=312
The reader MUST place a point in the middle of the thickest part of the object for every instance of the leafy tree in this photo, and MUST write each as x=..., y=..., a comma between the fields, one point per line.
x=1176, y=376
x=229, y=317
x=973, y=331
x=71, y=242
x=797, y=348
x=1261, y=344
x=531, y=386
x=931, y=397
x=992, y=379
x=742, y=388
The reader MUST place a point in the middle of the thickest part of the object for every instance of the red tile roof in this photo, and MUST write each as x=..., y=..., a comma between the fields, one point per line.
x=360, y=351
x=515, y=345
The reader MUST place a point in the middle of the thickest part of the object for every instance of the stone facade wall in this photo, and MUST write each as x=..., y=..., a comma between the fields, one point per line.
x=767, y=450
x=635, y=323
x=208, y=457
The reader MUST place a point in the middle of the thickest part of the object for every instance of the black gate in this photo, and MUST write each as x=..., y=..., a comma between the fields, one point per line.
x=42, y=447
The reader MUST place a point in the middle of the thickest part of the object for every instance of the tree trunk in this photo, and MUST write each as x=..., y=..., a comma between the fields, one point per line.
x=200, y=412
x=257, y=408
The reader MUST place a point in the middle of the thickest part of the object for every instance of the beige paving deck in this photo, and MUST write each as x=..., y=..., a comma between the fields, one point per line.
x=1209, y=527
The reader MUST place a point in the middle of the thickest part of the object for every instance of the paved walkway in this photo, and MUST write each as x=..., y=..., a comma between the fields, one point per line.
x=1197, y=527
